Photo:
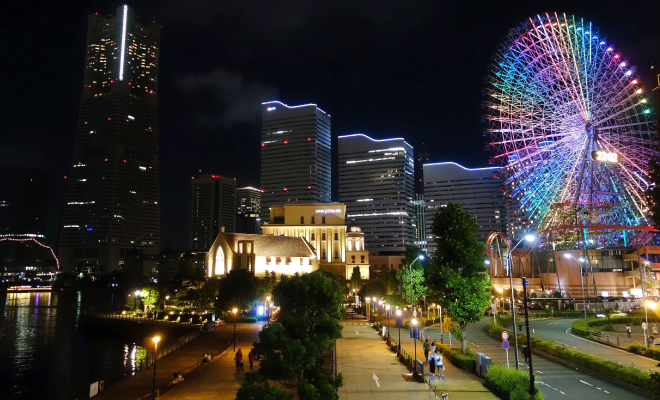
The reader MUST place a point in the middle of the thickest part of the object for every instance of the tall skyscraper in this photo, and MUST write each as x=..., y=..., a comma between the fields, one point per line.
x=248, y=208
x=213, y=206
x=23, y=214
x=474, y=188
x=112, y=201
x=376, y=183
x=295, y=155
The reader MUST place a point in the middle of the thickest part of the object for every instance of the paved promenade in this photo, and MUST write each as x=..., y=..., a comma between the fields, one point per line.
x=213, y=380
x=372, y=371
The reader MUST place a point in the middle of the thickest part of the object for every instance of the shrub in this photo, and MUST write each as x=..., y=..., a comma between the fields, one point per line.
x=644, y=351
x=509, y=384
x=454, y=355
x=608, y=327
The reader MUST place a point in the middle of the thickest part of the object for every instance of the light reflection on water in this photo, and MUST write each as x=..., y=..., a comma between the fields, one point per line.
x=42, y=354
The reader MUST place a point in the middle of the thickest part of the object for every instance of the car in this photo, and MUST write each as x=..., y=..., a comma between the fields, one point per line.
x=619, y=314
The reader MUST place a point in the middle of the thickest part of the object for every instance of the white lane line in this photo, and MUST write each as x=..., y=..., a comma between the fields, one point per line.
x=606, y=391
x=561, y=392
x=586, y=383
x=539, y=372
x=598, y=388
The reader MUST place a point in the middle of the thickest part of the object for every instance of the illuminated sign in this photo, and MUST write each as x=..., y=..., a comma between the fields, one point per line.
x=328, y=211
x=605, y=156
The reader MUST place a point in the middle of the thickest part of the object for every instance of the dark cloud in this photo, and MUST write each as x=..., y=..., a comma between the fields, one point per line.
x=223, y=99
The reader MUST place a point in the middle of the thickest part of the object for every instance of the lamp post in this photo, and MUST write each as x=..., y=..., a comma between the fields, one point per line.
x=532, y=390
x=235, y=311
x=387, y=312
x=268, y=307
x=529, y=238
x=414, y=309
x=368, y=307
x=414, y=323
x=156, y=339
x=380, y=314
x=137, y=300
x=584, y=299
x=398, y=314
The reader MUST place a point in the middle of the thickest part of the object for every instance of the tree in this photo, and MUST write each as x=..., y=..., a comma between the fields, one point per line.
x=150, y=296
x=418, y=289
x=237, y=289
x=388, y=281
x=458, y=274
x=256, y=387
x=308, y=325
x=356, y=279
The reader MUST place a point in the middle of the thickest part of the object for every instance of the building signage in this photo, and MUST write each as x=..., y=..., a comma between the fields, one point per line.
x=328, y=211
x=605, y=156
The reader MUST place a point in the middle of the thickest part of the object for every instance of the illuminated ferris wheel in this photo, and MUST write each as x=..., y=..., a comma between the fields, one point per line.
x=570, y=125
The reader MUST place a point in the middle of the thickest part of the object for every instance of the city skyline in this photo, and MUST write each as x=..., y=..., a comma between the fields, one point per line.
x=418, y=82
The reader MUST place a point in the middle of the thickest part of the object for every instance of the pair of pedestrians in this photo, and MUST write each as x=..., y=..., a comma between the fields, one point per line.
x=436, y=364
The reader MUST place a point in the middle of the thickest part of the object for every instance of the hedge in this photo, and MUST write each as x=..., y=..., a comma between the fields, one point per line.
x=578, y=327
x=509, y=384
x=625, y=373
x=644, y=351
x=454, y=355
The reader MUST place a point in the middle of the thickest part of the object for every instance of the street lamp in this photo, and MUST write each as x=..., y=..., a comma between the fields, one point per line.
x=380, y=303
x=387, y=312
x=584, y=299
x=268, y=307
x=648, y=304
x=414, y=309
x=368, y=307
x=398, y=314
x=156, y=339
x=414, y=323
x=235, y=311
x=529, y=238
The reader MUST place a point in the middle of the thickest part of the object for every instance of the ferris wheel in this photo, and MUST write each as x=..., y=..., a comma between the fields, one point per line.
x=569, y=124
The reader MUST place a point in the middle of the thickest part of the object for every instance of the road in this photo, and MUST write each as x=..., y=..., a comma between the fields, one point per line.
x=555, y=380
x=558, y=331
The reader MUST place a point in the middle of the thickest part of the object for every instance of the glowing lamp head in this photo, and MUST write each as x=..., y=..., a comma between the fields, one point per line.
x=367, y=299
x=234, y=310
x=398, y=313
x=387, y=306
x=530, y=238
x=651, y=304
x=137, y=292
x=267, y=298
x=581, y=259
x=634, y=81
x=167, y=297
x=647, y=111
x=567, y=255
x=487, y=262
x=156, y=339
x=414, y=321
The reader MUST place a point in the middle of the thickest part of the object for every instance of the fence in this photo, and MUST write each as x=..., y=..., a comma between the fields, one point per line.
x=605, y=338
x=147, y=320
x=83, y=391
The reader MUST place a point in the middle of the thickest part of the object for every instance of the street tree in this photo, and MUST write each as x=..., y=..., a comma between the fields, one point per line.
x=149, y=296
x=239, y=288
x=412, y=283
x=293, y=347
x=458, y=275
x=356, y=279
x=256, y=387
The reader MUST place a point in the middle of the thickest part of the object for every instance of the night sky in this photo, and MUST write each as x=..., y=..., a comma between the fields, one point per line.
x=387, y=69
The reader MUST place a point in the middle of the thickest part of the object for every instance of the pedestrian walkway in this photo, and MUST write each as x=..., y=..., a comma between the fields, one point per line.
x=372, y=371
x=213, y=380
x=637, y=334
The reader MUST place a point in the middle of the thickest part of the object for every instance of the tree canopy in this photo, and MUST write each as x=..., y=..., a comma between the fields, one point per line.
x=239, y=288
x=356, y=278
x=412, y=266
x=459, y=276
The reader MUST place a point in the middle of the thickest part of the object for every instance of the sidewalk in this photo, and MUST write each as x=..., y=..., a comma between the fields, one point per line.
x=372, y=371
x=215, y=379
x=637, y=334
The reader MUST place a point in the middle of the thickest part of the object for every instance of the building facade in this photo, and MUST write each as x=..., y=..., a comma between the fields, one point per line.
x=212, y=207
x=356, y=253
x=23, y=216
x=295, y=155
x=376, y=182
x=475, y=188
x=258, y=254
x=248, y=210
x=112, y=202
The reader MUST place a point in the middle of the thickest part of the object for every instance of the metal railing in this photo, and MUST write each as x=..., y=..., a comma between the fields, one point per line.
x=143, y=319
x=605, y=338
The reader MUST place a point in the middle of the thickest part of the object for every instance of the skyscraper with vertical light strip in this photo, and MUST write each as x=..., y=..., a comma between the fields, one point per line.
x=295, y=155
x=377, y=184
x=112, y=202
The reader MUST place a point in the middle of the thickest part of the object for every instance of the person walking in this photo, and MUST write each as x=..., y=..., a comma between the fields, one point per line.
x=427, y=347
x=251, y=358
x=432, y=365
x=433, y=347
x=439, y=365
x=628, y=330
x=239, y=360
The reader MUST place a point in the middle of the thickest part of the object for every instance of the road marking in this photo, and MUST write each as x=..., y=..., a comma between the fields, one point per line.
x=376, y=379
x=539, y=372
x=598, y=388
x=606, y=391
x=561, y=392
x=586, y=383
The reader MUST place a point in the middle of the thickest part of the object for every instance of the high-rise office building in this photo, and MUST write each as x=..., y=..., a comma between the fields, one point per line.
x=23, y=214
x=112, y=202
x=376, y=183
x=419, y=202
x=474, y=188
x=295, y=155
x=213, y=207
x=248, y=207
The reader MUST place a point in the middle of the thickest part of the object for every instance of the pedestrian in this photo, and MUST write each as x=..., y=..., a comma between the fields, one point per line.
x=251, y=358
x=427, y=347
x=439, y=365
x=433, y=347
x=432, y=365
x=628, y=330
x=239, y=360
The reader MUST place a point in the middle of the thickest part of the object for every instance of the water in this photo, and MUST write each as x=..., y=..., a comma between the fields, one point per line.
x=42, y=354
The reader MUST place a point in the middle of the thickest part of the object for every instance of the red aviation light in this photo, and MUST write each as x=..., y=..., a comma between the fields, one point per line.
x=286, y=141
x=263, y=145
x=285, y=189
